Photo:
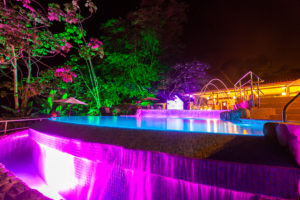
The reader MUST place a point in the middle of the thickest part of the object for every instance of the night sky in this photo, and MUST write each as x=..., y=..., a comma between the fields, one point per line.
x=234, y=36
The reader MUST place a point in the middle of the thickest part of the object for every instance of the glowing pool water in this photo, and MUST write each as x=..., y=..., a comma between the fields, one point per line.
x=169, y=124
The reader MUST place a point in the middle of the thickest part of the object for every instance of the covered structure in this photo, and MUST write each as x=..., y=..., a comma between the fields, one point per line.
x=251, y=91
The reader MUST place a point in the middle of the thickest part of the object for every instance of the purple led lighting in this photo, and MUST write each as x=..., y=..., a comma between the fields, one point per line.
x=84, y=170
x=102, y=171
x=200, y=114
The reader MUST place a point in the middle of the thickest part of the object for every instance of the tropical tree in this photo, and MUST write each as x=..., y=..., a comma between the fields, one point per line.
x=166, y=18
x=25, y=38
x=87, y=49
x=183, y=78
x=132, y=59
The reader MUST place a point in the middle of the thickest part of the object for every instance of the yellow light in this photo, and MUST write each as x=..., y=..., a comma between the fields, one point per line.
x=224, y=104
x=207, y=98
x=283, y=88
x=283, y=94
x=228, y=92
x=234, y=97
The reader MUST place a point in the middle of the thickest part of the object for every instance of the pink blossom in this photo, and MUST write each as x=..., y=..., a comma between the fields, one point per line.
x=95, y=43
x=65, y=73
x=29, y=7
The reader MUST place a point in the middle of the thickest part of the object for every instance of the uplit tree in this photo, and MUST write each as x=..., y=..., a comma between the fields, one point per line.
x=132, y=59
x=24, y=39
x=184, y=78
x=87, y=49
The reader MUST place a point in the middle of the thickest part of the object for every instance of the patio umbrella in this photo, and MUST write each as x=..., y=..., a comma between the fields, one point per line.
x=150, y=99
x=71, y=101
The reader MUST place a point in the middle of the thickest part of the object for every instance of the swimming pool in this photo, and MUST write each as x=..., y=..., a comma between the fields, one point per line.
x=151, y=158
x=169, y=124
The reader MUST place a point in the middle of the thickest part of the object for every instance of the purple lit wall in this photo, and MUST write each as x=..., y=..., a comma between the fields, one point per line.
x=83, y=170
x=78, y=170
x=201, y=114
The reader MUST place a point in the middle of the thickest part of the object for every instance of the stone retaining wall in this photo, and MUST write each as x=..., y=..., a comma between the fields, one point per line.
x=287, y=135
x=235, y=115
x=12, y=188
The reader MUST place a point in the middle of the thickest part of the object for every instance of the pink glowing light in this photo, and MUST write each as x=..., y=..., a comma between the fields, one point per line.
x=201, y=114
x=94, y=171
x=100, y=171
x=59, y=171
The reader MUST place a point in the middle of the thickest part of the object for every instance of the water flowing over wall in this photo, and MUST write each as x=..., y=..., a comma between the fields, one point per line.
x=201, y=114
x=83, y=170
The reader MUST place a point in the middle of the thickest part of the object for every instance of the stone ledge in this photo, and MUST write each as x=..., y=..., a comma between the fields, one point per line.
x=287, y=135
x=13, y=188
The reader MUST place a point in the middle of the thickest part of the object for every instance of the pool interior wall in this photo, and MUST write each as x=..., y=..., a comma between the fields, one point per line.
x=88, y=162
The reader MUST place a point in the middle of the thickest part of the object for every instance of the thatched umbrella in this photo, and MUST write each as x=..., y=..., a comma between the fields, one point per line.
x=71, y=101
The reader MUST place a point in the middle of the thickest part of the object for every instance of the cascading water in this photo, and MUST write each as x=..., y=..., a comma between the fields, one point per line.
x=93, y=171
x=21, y=155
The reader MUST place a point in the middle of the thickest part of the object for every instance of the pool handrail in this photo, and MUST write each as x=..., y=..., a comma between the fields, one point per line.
x=287, y=105
x=17, y=120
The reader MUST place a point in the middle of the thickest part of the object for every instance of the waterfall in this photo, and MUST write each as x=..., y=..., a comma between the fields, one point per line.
x=83, y=170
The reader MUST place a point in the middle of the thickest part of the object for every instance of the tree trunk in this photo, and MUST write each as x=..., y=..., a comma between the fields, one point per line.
x=15, y=72
x=26, y=93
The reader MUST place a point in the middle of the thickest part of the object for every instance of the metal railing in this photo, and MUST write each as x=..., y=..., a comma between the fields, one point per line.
x=248, y=79
x=5, y=130
x=287, y=105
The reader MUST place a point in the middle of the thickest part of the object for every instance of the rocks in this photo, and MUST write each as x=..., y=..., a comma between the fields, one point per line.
x=294, y=147
x=235, y=115
x=269, y=130
x=287, y=135
x=12, y=188
x=282, y=134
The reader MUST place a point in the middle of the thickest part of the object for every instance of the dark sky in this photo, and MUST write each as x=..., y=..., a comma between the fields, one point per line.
x=262, y=35
x=235, y=36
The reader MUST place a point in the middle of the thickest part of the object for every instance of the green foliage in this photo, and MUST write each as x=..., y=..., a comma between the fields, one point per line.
x=72, y=33
x=131, y=61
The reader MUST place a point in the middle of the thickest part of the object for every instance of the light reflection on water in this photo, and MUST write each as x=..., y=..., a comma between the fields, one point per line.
x=168, y=124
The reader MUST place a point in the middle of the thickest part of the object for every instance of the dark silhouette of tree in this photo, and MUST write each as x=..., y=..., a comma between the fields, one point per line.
x=184, y=78
x=166, y=18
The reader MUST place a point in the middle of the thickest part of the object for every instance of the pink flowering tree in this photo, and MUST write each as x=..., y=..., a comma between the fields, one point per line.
x=65, y=73
x=24, y=39
x=87, y=49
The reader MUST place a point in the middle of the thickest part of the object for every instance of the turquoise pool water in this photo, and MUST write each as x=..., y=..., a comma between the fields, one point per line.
x=169, y=124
